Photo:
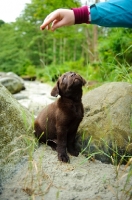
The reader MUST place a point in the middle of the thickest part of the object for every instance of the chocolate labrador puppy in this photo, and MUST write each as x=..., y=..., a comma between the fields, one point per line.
x=57, y=123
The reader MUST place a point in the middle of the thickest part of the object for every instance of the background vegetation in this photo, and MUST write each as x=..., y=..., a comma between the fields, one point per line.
x=97, y=53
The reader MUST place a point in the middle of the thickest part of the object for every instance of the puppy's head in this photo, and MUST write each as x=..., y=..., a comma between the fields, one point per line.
x=69, y=85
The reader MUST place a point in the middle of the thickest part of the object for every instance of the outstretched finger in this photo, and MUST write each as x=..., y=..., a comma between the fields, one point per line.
x=49, y=19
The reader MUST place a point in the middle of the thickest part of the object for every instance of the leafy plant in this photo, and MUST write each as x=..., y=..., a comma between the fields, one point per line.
x=30, y=70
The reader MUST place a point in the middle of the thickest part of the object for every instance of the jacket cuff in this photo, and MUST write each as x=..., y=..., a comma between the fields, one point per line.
x=82, y=15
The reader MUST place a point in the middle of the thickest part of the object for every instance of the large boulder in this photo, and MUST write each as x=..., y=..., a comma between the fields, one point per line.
x=12, y=82
x=106, y=129
x=16, y=132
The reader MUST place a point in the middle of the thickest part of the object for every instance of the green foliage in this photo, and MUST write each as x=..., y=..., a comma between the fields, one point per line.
x=30, y=70
x=67, y=49
x=1, y=22
x=115, y=55
x=116, y=42
x=94, y=72
x=52, y=72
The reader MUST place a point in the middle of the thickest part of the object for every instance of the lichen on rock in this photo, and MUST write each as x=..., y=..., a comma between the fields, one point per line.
x=16, y=126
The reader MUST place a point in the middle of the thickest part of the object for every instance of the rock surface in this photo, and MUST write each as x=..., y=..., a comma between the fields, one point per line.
x=12, y=82
x=107, y=119
x=16, y=125
x=44, y=177
x=35, y=97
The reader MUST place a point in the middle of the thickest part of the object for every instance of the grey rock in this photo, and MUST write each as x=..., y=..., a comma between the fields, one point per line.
x=38, y=96
x=20, y=96
x=107, y=122
x=16, y=131
x=12, y=82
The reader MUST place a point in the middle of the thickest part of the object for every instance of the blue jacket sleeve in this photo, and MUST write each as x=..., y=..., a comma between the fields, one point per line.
x=113, y=13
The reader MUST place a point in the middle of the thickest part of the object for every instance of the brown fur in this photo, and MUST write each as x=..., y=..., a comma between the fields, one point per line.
x=59, y=121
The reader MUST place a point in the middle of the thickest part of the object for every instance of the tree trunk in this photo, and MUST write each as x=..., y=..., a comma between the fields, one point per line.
x=64, y=49
x=54, y=50
x=60, y=52
x=95, y=38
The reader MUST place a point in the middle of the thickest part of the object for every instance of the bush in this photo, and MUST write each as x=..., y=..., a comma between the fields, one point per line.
x=30, y=70
x=52, y=72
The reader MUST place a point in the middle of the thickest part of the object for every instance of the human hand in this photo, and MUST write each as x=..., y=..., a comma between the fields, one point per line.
x=58, y=18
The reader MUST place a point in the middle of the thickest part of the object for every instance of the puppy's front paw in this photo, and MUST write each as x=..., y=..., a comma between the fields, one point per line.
x=63, y=157
x=73, y=152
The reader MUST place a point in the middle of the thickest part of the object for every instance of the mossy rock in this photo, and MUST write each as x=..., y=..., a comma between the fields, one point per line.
x=16, y=132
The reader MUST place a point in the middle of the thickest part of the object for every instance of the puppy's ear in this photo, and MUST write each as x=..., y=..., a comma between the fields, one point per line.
x=55, y=90
x=83, y=81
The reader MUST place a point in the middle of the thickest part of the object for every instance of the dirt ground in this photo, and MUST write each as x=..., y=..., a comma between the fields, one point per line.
x=43, y=177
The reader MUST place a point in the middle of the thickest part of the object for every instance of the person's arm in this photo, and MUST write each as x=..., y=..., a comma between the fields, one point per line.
x=113, y=13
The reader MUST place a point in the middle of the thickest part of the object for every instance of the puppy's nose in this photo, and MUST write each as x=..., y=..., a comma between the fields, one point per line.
x=73, y=74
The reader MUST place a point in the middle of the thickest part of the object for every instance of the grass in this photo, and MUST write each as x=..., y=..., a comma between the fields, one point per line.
x=36, y=182
x=122, y=189
x=126, y=189
x=100, y=72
